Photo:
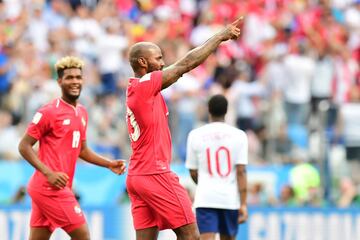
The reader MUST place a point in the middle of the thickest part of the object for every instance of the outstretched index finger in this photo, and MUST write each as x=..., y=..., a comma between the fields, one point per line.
x=238, y=21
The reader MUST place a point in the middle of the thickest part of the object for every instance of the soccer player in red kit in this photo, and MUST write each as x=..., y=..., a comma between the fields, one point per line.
x=158, y=201
x=60, y=127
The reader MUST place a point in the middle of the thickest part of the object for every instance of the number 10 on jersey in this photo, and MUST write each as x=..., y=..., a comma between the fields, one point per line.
x=215, y=159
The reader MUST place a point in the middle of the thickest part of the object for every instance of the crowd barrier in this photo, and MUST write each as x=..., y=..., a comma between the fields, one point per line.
x=115, y=223
x=103, y=199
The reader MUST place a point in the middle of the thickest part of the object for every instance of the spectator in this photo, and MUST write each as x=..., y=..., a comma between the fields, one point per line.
x=243, y=93
x=322, y=81
x=19, y=196
x=305, y=179
x=85, y=30
x=5, y=72
x=257, y=195
x=287, y=197
x=348, y=194
x=110, y=46
x=9, y=137
x=300, y=70
x=186, y=101
x=38, y=29
x=350, y=125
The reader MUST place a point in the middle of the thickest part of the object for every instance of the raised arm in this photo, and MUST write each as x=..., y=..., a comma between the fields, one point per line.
x=199, y=54
x=194, y=175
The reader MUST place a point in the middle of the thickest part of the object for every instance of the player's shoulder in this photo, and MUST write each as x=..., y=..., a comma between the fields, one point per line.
x=134, y=83
x=150, y=76
x=46, y=111
x=236, y=131
x=145, y=78
x=230, y=129
x=202, y=130
x=81, y=107
x=49, y=106
x=198, y=130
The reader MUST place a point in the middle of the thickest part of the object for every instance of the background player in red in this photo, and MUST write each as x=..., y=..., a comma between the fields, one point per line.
x=158, y=201
x=60, y=127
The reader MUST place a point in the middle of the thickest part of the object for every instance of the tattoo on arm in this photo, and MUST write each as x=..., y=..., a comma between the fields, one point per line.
x=198, y=55
x=190, y=61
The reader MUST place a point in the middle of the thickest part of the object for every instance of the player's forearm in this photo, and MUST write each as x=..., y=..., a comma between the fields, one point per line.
x=30, y=156
x=91, y=157
x=243, y=196
x=199, y=54
x=242, y=184
x=194, y=175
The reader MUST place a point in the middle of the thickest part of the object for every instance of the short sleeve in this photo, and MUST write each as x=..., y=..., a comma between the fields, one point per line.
x=242, y=156
x=150, y=84
x=40, y=124
x=191, y=158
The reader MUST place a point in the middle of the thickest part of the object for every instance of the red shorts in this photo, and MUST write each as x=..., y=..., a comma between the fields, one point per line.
x=55, y=209
x=159, y=200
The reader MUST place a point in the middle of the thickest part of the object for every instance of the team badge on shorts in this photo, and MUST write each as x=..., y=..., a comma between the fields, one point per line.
x=77, y=210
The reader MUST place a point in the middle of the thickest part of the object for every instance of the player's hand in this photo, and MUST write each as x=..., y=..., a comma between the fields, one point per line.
x=118, y=166
x=232, y=31
x=58, y=179
x=243, y=214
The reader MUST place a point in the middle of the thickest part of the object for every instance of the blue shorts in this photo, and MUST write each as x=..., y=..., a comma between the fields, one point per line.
x=215, y=220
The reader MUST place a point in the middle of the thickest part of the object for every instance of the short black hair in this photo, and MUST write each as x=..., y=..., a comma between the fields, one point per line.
x=218, y=105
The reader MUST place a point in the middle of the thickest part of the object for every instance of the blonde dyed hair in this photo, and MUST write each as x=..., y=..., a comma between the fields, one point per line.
x=68, y=62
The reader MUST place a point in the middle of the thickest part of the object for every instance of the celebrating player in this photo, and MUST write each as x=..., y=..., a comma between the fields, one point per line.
x=60, y=127
x=158, y=200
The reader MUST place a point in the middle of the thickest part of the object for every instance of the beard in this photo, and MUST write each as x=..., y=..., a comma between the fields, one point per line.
x=153, y=67
x=71, y=97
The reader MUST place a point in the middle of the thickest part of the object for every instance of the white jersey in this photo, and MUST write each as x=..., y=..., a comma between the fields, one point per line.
x=214, y=150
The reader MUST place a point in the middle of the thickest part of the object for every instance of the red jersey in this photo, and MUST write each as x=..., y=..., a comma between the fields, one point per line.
x=147, y=119
x=60, y=129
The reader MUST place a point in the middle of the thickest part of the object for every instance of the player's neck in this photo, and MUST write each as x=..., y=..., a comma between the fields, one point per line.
x=217, y=119
x=68, y=101
x=139, y=73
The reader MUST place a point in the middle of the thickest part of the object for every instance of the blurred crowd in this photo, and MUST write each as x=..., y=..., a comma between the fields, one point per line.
x=293, y=78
